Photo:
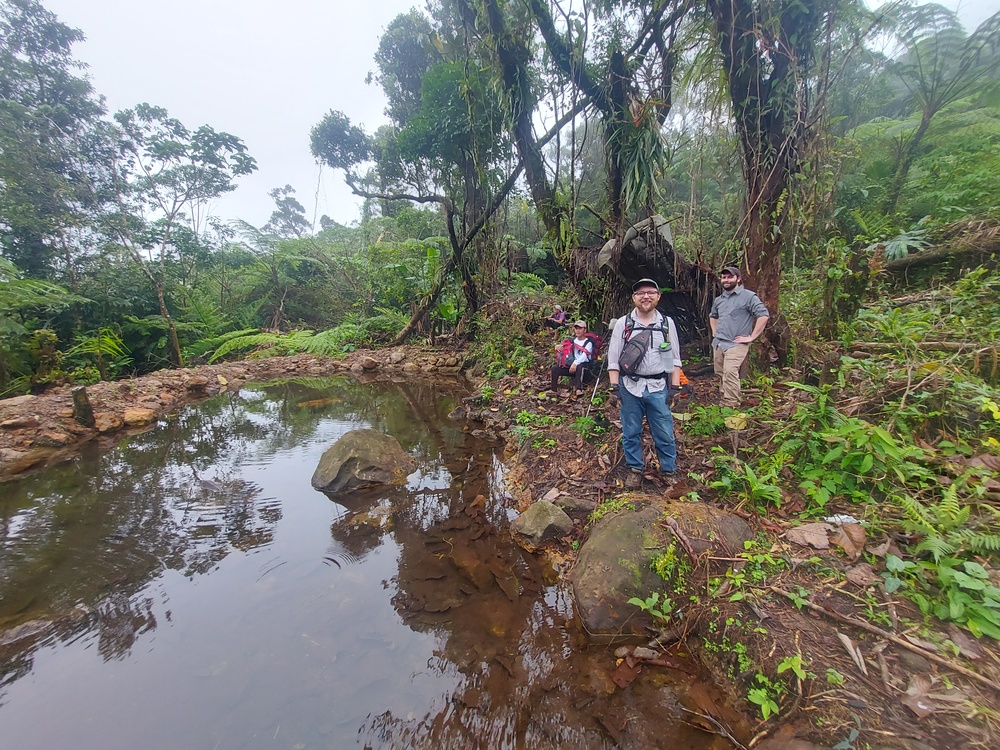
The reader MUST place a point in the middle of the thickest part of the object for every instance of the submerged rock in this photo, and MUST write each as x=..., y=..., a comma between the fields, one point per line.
x=539, y=523
x=362, y=458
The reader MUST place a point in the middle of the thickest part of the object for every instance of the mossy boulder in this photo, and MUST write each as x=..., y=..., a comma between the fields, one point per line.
x=636, y=553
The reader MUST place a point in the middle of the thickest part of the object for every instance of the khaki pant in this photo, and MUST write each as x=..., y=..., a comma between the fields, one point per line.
x=727, y=364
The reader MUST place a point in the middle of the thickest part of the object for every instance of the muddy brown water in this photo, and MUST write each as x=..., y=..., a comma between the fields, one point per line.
x=190, y=589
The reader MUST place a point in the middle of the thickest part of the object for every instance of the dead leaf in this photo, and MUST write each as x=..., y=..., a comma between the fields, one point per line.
x=918, y=704
x=222, y=380
x=969, y=648
x=624, y=674
x=888, y=547
x=851, y=538
x=815, y=535
x=862, y=575
x=922, y=702
x=925, y=645
x=854, y=653
x=986, y=461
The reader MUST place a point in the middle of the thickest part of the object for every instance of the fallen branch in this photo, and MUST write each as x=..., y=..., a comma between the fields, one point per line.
x=891, y=637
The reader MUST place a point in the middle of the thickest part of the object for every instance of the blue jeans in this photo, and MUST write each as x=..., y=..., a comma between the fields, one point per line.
x=652, y=406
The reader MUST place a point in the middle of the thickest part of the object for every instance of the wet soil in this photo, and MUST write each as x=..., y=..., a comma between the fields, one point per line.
x=876, y=673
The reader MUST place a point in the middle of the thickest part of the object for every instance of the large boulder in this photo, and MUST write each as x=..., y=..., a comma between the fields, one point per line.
x=615, y=563
x=362, y=458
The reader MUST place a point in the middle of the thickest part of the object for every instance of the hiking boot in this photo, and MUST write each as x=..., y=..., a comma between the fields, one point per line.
x=633, y=480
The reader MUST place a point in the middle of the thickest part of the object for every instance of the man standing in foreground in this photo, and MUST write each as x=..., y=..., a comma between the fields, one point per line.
x=737, y=318
x=650, y=376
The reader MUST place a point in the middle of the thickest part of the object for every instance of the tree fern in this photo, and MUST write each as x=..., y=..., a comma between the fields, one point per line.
x=203, y=346
x=255, y=340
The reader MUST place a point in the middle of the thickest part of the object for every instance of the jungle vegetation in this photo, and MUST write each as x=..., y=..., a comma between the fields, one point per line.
x=846, y=158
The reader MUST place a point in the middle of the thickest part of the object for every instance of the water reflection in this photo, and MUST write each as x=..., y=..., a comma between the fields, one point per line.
x=191, y=589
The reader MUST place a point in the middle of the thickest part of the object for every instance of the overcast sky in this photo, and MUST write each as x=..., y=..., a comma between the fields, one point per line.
x=264, y=71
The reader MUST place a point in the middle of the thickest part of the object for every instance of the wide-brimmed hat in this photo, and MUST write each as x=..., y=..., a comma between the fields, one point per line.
x=645, y=282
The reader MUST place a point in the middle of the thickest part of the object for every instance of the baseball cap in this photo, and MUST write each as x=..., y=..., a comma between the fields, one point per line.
x=580, y=323
x=733, y=270
x=645, y=282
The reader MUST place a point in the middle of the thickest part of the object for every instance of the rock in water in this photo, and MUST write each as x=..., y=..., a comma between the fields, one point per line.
x=362, y=458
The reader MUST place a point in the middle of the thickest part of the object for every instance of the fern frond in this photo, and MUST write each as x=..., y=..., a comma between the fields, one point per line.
x=977, y=541
x=203, y=346
x=916, y=515
x=949, y=512
x=938, y=546
x=244, y=343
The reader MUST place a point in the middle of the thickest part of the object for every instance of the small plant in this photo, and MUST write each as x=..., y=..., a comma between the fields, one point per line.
x=796, y=665
x=764, y=696
x=739, y=478
x=707, y=420
x=653, y=606
x=833, y=677
x=521, y=433
x=527, y=419
x=587, y=427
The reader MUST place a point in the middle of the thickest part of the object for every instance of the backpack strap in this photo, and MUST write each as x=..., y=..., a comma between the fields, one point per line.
x=630, y=325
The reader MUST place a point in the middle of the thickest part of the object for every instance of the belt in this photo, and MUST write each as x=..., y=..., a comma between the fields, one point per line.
x=654, y=376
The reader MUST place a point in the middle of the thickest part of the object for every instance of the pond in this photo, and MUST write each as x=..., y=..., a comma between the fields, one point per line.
x=190, y=589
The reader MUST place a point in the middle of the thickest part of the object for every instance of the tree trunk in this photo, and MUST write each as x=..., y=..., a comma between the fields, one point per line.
x=906, y=160
x=174, y=350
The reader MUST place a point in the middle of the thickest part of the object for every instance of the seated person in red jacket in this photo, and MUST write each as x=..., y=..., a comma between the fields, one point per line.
x=582, y=355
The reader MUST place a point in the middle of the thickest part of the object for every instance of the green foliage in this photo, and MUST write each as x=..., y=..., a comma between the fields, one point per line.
x=796, y=664
x=525, y=283
x=738, y=478
x=106, y=348
x=765, y=696
x=610, y=505
x=587, y=427
x=951, y=589
x=502, y=347
x=202, y=347
x=527, y=419
x=707, y=420
x=652, y=605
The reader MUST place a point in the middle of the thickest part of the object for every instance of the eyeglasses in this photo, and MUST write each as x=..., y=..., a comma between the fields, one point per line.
x=645, y=294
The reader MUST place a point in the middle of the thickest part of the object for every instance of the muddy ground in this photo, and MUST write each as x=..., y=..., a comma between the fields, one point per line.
x=874, y=672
